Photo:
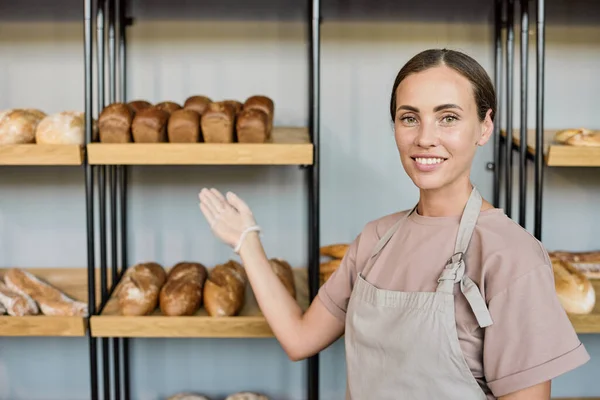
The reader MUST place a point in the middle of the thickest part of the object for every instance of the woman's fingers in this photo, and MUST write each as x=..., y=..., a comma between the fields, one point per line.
x=212, y=200
x=238, y=203
x=208, y=214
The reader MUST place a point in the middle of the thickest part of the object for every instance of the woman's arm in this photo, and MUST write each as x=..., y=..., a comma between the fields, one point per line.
x=537, y=392
x=300, y=334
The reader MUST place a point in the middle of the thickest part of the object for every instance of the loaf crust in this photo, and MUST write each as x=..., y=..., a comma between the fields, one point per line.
x=225, y=289
x=17, y=304
x=246, y=396
x=182, y=292
x=137, y=105
x=18, y=126
x=263, y=103
x=140, y=287
x=217, y=123
x=51, y=301
x=252, y=126
x=563, y=135
x=150, y=125
x=114, y=123
x=337, y=250
x=573, y=289
x=184, y=126
x=585, y=140
x=284, y=272
x=168, y=106
x=66, y=127
x=197, y=103
x=235, y=105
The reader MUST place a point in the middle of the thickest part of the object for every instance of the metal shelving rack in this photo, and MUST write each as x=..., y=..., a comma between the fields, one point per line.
x=110, y=32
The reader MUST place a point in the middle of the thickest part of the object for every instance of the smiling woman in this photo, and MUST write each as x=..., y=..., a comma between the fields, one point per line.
x=432, y=299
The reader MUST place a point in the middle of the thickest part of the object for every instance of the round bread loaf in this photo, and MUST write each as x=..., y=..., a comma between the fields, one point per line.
x=18, y=126
x=67, y=127
x=574, y=290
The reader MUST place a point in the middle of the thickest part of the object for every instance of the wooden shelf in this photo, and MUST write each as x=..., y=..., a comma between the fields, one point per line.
x=289, y=146
x=248, y=324
x=558, y=155
x=41, y=154
x=589, y=323
x=73, y=282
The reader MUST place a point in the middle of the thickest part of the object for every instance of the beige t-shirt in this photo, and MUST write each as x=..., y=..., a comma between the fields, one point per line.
x=531, y=339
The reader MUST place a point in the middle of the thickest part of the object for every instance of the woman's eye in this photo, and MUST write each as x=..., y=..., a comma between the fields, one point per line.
x=408, y=120
x=448, y=119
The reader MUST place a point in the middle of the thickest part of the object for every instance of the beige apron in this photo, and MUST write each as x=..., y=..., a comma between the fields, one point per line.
x=404, y=345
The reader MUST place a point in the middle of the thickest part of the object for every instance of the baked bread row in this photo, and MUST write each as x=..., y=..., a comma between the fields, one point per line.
x=22, y=293
x=573, y=288
x=235, y=396
x=189, y=286
x=25, y=126
x=199, y=120
x=578, y=137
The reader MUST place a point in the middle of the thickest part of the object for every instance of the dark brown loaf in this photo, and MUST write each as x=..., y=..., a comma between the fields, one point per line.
x=252, y=126
x=197, y=103
x=263, y=103
x=225, y=289
x=217, y=123
x=235, y=105
x=114, y=123
x=168, y=106
x=182, y=292
x=184, y=126
x=138, y=105
x=284, y=272
x=150, y=125
x=140, y=288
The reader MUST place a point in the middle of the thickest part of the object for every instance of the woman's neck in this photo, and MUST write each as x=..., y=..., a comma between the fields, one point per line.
x=448, y=201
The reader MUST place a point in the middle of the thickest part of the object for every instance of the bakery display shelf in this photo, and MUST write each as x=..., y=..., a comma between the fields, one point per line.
x=288, y=146
x=589, y=323
x=559, y=155
x=249, y=323
x=41, y=154
x=72, y=282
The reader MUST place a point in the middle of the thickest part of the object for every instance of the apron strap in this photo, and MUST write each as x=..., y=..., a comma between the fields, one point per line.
x=454, y=272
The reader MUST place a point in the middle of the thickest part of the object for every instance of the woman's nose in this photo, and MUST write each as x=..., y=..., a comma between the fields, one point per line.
x=428, y=136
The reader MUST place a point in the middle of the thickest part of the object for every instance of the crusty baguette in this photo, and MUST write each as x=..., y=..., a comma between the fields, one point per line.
x=246, y=396
x=284, y=272
x=334, y=250
x=574, y=290
x=51, y=300
x=140, y=287
x=225, y=289
x=15, y=303
x=184, y=126
x=114, y=123
x=182, y=292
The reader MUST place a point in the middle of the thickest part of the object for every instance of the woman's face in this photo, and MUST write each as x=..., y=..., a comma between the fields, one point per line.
x=437, y=128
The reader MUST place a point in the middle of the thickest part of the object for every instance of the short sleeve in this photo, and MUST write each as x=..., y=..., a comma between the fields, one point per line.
x=532, y=339
x=335, y=292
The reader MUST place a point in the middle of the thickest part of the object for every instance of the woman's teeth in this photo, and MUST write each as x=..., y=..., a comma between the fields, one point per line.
x=429, y=161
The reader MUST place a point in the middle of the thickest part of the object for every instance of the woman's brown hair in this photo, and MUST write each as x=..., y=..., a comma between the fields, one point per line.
x=483, y=89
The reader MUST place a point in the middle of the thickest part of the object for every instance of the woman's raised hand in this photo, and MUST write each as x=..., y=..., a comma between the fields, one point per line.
x=229, y=217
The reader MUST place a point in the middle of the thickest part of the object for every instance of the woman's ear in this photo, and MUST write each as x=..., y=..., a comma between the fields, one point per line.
x=487, y=128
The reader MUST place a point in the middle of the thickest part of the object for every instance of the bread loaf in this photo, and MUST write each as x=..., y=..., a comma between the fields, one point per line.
x=337, y=250
x=563, y=135
x=138, y=105
x=140, y=287
x=188, y=396
x=217, y=123
x=588, y=262
x=184, y=126
x=246, y=396
x=66, y=127
x=284, y=272
x=574, y=291
x=263, y=103
x=182, y=292
x=18, y=126
x=17, y=304
x=197, y=103
x=235, y=105
x=114, y=123
x=168, y=106
x=580, y=139
x=51, y=301
x=150, y=125
x=225, y=289
x=252, y=126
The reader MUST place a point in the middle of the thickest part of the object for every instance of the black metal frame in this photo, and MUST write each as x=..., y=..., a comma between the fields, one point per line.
x=111, y=16
x=507, y=141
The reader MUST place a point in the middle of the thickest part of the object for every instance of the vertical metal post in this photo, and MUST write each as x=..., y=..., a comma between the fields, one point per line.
x=539, y=123
x=510, y=49
x=89, y=193
x=524, y=45
x=498, y=84
x=313, y=177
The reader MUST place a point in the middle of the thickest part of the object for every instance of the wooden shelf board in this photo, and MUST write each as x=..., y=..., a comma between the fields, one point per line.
x=73, y=282
x=288, y=146
x=559, y=155
x=41, y=154
x=248, y=324
x=589, y=323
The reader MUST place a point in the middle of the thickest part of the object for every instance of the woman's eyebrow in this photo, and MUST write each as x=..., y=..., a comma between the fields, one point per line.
x=436, y=109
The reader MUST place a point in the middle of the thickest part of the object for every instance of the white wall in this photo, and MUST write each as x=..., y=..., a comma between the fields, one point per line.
x=42, y=210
